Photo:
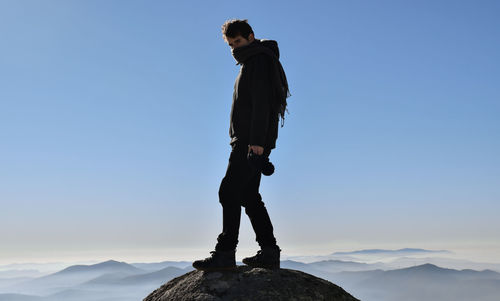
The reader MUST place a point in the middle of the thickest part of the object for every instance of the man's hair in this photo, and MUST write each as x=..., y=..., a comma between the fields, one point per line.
x=233, y=28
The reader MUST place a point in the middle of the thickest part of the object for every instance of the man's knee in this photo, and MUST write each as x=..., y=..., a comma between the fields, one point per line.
x=227, y=193
x=253, y=203
x=223, y=191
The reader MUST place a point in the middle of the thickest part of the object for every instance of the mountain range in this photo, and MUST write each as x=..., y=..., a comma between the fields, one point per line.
x=375, y=281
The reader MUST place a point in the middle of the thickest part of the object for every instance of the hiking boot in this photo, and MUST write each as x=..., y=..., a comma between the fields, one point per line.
x=219, y=260
x=267, y=257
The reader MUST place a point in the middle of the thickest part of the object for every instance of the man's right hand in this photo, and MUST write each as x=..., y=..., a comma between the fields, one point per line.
x=257, y=149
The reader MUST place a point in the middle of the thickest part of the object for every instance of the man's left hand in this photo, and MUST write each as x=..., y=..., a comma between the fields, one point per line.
x=257, y=149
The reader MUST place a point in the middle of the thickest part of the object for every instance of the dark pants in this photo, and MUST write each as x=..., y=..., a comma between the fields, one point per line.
x=240, y=187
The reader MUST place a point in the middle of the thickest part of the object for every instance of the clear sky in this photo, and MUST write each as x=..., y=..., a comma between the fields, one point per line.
x=114, y=121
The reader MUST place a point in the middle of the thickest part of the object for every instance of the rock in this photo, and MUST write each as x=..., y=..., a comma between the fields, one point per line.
x=246, y=284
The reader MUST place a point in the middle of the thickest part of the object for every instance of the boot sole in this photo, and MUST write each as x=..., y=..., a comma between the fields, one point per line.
x=216, y=269
x=264, y=266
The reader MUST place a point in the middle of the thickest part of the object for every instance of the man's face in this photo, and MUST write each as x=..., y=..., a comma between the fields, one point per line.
x=239, y=41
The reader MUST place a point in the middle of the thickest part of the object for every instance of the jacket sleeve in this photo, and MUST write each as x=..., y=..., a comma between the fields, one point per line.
x=261, y=93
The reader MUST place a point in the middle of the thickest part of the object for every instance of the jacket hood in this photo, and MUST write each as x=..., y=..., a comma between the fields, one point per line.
x=271, y=44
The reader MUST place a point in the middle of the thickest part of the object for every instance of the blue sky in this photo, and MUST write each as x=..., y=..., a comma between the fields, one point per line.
x=114, y=120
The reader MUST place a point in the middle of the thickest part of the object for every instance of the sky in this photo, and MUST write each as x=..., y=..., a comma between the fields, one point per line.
x=114, y=127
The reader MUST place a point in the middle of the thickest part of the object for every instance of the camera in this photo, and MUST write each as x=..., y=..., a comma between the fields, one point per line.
x=260, y=163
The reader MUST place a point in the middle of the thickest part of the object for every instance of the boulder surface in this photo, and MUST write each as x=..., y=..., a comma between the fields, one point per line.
x=246, y=284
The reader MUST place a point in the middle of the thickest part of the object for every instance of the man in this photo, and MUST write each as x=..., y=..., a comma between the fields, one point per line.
x=259, y=98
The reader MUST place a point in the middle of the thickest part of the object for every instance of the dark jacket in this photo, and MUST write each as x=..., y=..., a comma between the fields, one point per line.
x=253, y=121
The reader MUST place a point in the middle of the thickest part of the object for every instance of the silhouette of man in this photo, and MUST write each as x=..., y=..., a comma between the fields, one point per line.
x=259, y=98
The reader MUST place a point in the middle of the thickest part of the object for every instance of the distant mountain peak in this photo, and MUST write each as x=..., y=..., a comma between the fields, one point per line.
x=105, y=265
x=110, y=263
x=389, y=252
x=426, y=266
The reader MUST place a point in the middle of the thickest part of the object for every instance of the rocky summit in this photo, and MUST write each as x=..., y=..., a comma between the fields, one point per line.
x=248, y=284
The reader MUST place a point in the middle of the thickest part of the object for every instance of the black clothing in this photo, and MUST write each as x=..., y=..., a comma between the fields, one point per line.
x=254, y=121
x=278, y=77
x=240, y=187
x=255, y=109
